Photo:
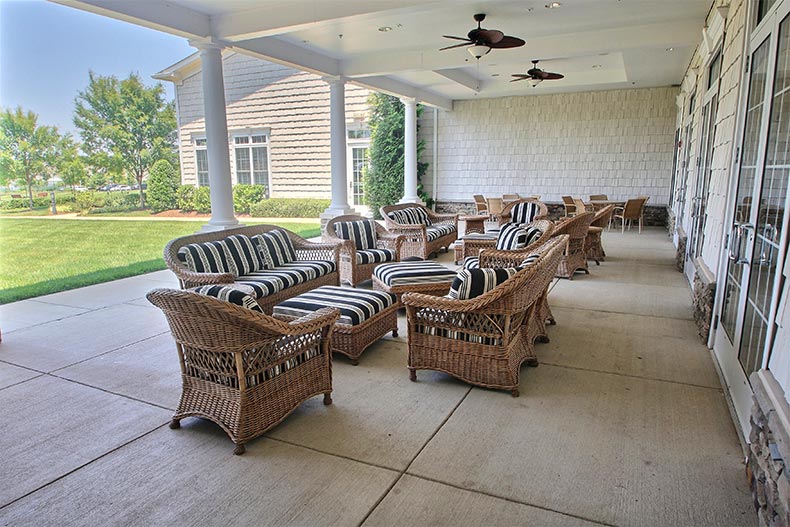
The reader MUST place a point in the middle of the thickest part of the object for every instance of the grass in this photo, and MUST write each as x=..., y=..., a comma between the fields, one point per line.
x=38, y=257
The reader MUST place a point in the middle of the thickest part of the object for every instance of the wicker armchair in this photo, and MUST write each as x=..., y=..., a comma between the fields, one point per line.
x=483, y=340
x=481, y=207
x=351, y=271
x=244, y=370
x=634, y=209
x=416, y=241
x=542, y=213
x=570, y=206
x=592, y=242
x=574, y=258
x=305, y=251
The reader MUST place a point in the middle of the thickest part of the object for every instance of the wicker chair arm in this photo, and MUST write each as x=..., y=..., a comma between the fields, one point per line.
x=318, y=251
x=391, y=241
x=190, y=279
x=418, y=300
x=540, y=217
x=443, y=218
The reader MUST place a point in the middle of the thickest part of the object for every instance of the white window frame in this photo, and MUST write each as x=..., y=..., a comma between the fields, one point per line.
x=250, y=136
x=199, y=143
x=353, y=128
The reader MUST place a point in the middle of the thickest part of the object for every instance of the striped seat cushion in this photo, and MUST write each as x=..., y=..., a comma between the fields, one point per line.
x=434, y=232
x=512, y=236
x=523, y=212
x=355, y=305
x=207, y=257
x=245, y=256
x=275, y=248
x=471, y=283
x=407, y=273
x=270, y=281
x=369, y=256
x=262, y=283
x=238, y=294
x=362, y=233
x=479, y=236
x=318, y=268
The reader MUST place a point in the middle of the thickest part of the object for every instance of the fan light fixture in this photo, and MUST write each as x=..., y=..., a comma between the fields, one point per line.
x=478, y=50
x=535, y=82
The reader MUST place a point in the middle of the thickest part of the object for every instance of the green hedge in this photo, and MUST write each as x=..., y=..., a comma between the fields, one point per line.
x=289, y=208
x=245, y=196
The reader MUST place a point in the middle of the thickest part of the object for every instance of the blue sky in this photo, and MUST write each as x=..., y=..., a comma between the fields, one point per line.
x=46, y=51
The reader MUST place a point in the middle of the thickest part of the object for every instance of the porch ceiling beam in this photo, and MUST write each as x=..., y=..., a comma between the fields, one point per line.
x=401, y=89
x=162, y=16
x=282, y=52
x=461, y=77
x=660, y=36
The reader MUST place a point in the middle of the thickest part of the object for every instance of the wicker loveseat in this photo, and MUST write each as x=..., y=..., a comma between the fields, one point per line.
x=424, y=231
x=242, y=369
x=311, y=264
x=482, y=340
x=364, y=244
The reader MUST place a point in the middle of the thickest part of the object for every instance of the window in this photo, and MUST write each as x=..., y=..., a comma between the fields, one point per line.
x=714, y=70
x=252, y=159
x=360, y=133
x=201, y=162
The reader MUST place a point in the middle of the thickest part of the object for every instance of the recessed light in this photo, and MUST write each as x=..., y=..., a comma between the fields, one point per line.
x=670, y=49
x=596, y=66
x=553, y=5
x=495, y=74
x=384, y=29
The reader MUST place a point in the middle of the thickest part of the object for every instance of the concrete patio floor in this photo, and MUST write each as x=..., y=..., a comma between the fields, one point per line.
x=623, y=423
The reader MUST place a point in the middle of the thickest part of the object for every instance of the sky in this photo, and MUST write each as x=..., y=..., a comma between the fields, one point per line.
x=46, y=51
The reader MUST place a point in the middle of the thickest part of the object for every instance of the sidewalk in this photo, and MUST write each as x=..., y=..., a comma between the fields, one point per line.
x=204, y=219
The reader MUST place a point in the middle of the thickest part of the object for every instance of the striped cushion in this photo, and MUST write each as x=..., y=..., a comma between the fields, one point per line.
x=523, y=212
x=316, y=267
x=405, y=273
x=206, y=257
x=462, y=335
x=471, y=283
x=244, y=254
x=275, y=246
x=235, y=294
x=369, y=256
x=362, y=233
x=512, y=236
x=471, y=262
x=533, y=233
x=355, y=305
x=434, y=232
x=477, y=236
x=410, y=216
x=529, y=260
x=262, y=283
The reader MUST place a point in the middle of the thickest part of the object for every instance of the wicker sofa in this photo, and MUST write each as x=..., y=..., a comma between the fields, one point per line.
x=424, y=231
x=482, y=340
x=357, y=264
x=313, y=265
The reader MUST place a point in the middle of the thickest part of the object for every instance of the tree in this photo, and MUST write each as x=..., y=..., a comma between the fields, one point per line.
x=72, y=166
x=29, y=153
x=163, y=183
x=383, y=178
x=125, y=125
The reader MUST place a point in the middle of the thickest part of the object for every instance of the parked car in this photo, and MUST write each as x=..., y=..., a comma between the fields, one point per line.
x=120, y=187
x=80, y=188
x=107, y=187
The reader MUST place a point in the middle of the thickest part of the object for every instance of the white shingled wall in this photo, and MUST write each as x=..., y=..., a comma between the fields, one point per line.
x=292, y=104
x=617, y=142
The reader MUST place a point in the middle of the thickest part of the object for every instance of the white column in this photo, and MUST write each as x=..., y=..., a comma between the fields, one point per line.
x=337, y=147
x=410, y=153
x=220, y=184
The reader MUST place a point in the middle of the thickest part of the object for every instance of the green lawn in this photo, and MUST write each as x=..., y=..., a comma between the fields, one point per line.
x=39, y=257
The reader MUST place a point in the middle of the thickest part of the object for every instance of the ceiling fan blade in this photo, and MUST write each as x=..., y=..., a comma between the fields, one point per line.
x=463, y=44
x=508, y=42
x=488, y=36
x=552, y=76
x=525, y=77
x=521, y=76
x=456, y=38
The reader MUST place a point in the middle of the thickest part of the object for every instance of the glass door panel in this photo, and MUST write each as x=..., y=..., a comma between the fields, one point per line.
x=699, y=203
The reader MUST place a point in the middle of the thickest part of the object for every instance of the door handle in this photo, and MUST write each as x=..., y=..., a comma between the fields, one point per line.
x=769, y=233
x=735, y=242
x=741, y=246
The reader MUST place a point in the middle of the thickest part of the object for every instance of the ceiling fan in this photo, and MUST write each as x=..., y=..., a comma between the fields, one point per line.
x=484, y=40
x=536, y=75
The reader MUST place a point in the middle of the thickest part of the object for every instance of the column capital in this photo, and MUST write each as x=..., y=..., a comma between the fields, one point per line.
x=408, y=100
x=334, y=79
x=205, y=44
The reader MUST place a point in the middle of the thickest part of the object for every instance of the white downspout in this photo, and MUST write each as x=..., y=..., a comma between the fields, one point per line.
x=435, y=155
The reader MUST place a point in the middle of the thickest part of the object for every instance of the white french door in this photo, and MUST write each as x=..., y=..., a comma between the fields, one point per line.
x=358, y=160
x=757, y=241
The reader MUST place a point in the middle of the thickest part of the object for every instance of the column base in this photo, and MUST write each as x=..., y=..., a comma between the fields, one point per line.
x=411, y=199
x=221, y=225
x=334, y=212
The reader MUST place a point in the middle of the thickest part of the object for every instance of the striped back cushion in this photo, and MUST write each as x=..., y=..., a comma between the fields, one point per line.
x=362, y=233
x=523, y=212
x=244, y=255
x=410, y=216
x=512, y=236
x=533, y=233
x=235, y=294
x=471, y=283
x=529, y=260
x=275, y=247
x=206, y=257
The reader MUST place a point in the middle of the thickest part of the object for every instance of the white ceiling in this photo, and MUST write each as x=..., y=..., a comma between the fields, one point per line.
x=596, y=44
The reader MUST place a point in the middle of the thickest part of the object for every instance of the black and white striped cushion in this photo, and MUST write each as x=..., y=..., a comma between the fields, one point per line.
x=533, y=233
x=270, y=281
x=512, y=236
x=529, y=260
x=471, y=262
x=523, y=212
x=262, y=283
x=420, y=272
x=317, y=267
x=434, y=232
x=455, y=334
x=362, y=233
x=275, y=246
x=244, y=254
x=369, y=256
x=410, y=216
x=471, y=283
x=238, y=294
x=355, y=305
x=206, y=257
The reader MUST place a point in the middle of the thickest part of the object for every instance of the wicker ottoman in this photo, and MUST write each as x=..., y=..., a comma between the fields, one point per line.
x=413, y=277
x=365, y=316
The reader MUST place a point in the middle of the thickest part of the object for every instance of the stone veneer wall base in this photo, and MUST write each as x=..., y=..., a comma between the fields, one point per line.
x=680, y=255
x=703, y=295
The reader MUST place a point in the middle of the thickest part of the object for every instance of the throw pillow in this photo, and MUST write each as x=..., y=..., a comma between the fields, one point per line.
x=471, y=283
x=361, y=232
x=512, y=236
x=277, y=246
x=244, y=254
x=235, y=294
x=206, y=257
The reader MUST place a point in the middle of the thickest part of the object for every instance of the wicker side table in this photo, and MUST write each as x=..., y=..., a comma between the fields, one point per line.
x=474, y=223
x=472, y=244
x=424, y=276
x=365, y=316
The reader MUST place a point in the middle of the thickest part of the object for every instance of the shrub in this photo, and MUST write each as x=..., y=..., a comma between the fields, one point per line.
x=201, y=200
x=244, y=196
x=289, y=208
x=163, y=185
x=23, y=203
x=85, y=201
x=184, y=196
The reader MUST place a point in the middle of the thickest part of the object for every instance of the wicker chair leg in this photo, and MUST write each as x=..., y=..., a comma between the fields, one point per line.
x=514, y=393
x=175, y=424
x=327, y=399
x=543, y=339
x=413, y=375
x=355, y=362
x=395, y=332
x=239, y=450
